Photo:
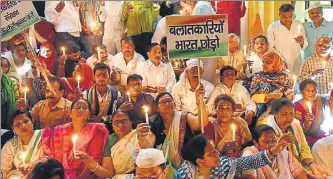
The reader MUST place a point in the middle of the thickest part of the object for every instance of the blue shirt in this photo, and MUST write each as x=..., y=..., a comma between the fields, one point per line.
x=313, y=33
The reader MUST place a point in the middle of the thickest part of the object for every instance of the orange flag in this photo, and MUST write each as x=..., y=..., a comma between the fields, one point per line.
x=257, y=27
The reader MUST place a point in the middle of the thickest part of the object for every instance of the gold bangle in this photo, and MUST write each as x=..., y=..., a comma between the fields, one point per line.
x=97, y=165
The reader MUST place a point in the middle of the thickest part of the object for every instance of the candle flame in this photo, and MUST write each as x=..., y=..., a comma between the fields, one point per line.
x=74, y=138
x=295, y=77
x=63, y=48
x=25, y=89
x=78, y=78
x=23, y=155
x=128, y=93
x=233, y=126
x=145, y=108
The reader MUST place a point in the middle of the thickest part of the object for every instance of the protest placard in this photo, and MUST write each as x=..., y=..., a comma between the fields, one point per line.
x=197, y=36
x=16, y=16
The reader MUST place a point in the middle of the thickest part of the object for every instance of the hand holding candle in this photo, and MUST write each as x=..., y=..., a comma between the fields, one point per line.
x=74, y=139
x=233, y=127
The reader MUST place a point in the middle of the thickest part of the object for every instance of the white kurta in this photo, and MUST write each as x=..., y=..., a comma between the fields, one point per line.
x=126, y=69
x=257, y=63
x=157, y=76
x=114, y=27
x=322, y=153
x=91, y=60
x=284, y=41
x=25, y=71
x=185, y=99
x=68, y=20
x=238, y=93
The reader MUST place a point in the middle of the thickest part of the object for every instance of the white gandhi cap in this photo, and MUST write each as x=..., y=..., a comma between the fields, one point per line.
x=148, y=158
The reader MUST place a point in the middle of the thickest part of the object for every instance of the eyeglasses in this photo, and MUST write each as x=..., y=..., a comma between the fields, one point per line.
x=118, y=122
x=19, y=124
x=83, y=108
x=165, y=103
x=150, y=177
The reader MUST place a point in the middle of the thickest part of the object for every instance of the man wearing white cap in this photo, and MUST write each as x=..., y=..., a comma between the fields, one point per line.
x=184, y=90
x=315, y=29
x=288, y=37
x=150, y=164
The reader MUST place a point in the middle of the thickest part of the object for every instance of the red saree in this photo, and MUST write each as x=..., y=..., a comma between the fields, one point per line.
x=58, y=145
x=314, y=133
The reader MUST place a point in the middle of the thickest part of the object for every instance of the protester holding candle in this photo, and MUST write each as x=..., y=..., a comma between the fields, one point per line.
x=171, y=126
x=48, y=56
x=220, y=131
x=311, y=119
x=91, y=138
x=100, y=54
x=271, y=83
x=282, y=121
x=20, y=154
x=120, y=150
x=137, y=100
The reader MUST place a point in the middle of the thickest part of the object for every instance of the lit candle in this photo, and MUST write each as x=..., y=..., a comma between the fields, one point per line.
x=23, y=155
x=176, y=64
x=78, y=82
x=25, y=93
x=63, y=50
x=74, y=138
x=309, y=107
x=129, y=96
x=299, y=29
x=99, y=54
x=181, y=12
x=295, y=81
x=146, y=113
x=245, y=51
x=239, y=98
x=216, y=6
x=233, y=127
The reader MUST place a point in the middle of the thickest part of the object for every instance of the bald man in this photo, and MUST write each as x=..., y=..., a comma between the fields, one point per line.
x=319, y=66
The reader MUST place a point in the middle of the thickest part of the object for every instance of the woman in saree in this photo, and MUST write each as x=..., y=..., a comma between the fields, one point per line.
x=220, y=130
x=284, y=164
x=73, y=90
x=20, y=154
x=90, y=138
x=271, y=83
x=311, y=120
x=171, y=127
x=203, y=161
x=120, y=150
x=283, y=121
x=48, y=56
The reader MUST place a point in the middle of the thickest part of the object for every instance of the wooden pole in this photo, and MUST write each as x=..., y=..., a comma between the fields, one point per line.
x=38, y=63
x=200, y=101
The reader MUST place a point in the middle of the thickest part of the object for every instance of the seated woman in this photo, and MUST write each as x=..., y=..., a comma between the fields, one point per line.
x=170, y=127
x=284, y=165
x=91, y=138
x=48, y=56
x=282, y=121
x=202, y=160
x=311, y=120
x=73, y=90
x=20, y=154
x=6, y=67
x=50, y=169
x=220, y=130
x=271, y=83
x=120, y=150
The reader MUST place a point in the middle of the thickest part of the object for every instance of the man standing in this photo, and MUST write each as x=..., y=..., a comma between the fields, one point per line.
x=320, y=66
x=52, y=111
x=317, y=28
x=127, y=60
x=101, y=96
x=184, y=90
x=288, y=37
x=65, y=17
x=157, y=76
x=137, y=100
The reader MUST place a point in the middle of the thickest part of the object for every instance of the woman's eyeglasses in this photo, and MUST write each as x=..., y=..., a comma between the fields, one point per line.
x=119, y=122
x=164, y=103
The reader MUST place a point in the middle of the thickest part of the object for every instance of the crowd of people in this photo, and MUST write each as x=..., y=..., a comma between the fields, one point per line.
x=94, y=95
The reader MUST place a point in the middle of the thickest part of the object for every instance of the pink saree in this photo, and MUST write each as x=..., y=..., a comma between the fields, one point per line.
x=58, y=145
